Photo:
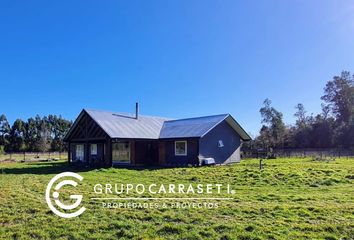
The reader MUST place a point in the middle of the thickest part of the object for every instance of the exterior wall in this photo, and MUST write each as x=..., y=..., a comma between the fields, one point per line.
x=146, y=152
x=162, y=153
x=98, y=158
x=208, y=144
x=167, y=153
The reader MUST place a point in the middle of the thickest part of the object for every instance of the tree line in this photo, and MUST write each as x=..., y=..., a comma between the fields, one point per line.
x=332, y=128
x=38, y=134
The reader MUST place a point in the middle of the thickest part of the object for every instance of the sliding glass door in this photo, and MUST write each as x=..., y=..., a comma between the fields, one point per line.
x=121, y=152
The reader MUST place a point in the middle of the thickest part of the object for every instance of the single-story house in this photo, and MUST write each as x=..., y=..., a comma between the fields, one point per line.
x=101, y=138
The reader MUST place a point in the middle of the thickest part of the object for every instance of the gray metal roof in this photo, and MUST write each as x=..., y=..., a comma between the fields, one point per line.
x=122, y=125
x=119, y=125
x=190, y=127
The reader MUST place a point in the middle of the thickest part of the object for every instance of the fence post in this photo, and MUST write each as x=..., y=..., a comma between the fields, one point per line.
x=24, y=156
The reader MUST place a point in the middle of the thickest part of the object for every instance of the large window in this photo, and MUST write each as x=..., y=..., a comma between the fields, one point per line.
x=121, y=152
x=80, y=152
x=93, y=149
x=181, y=148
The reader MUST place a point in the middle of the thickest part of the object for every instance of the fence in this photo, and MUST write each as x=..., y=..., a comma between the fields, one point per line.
x=32, y=156
x=303, y=152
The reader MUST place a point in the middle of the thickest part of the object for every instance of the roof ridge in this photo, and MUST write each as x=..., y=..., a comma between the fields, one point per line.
x=126, y=114
x=181, y=119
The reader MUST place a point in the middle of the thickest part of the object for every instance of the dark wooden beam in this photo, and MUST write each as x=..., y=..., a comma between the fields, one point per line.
x=69, y=152
x=80, y=140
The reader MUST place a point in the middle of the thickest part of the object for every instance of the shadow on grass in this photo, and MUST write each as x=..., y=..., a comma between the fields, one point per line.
x=157, y=168
x=44, y=168
x=59, y=167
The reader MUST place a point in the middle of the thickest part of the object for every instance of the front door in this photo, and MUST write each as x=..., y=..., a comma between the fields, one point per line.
x=121, y=152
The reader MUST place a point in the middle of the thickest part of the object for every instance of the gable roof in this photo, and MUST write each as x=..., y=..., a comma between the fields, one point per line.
x=121, y=125
x=190, y=127
x=199, y=126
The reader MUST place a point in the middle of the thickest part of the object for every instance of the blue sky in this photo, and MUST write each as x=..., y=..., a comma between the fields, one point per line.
x=176, y=58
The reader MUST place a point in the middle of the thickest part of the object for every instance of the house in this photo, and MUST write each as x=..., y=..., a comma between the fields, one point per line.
x=101, y=138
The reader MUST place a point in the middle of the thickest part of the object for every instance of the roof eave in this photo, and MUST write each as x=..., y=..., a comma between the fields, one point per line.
x=237, y=127
x=77, y=119
x=226, y=115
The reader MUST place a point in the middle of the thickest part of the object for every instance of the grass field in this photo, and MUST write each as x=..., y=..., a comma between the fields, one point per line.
x=289, y=199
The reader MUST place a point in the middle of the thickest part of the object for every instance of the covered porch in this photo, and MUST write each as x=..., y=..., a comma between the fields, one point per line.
x=115, y=152
x=90, y=145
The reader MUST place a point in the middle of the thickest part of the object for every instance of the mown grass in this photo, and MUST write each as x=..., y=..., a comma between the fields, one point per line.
x=288, y=199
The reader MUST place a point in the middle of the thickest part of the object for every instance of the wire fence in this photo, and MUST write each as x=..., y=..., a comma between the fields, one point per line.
x=300, y=152
x=33, y=156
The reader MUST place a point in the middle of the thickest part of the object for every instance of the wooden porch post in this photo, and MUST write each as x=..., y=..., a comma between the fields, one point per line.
x=132, y=152
x=108, y=153
x=69, y=152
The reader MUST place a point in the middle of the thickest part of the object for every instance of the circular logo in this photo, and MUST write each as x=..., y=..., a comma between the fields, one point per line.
x=55, y=195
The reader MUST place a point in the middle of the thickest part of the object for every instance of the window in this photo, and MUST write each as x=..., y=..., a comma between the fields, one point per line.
x=93, y=149
x=121, y=152
x=80, y=152
x=220, y=144
x=181, y=148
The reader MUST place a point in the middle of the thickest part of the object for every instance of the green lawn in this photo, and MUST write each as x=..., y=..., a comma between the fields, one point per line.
x=289, y=199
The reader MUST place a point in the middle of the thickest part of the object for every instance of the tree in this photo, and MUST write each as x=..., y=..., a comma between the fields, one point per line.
x=17, y=137
x=274, y=128
x=31, y=134
x=44, y=135
x=321, y=134
x=38, y=134
x=339, y=101
x=300, y=114
x=303, y=127
x=59, y=127
x=339, y=96
x=4, y=130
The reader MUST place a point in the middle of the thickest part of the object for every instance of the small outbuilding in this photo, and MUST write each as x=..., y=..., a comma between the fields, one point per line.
x=105, y=139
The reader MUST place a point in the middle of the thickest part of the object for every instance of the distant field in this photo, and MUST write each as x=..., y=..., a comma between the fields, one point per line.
x=33, y=156
x=289, y=199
